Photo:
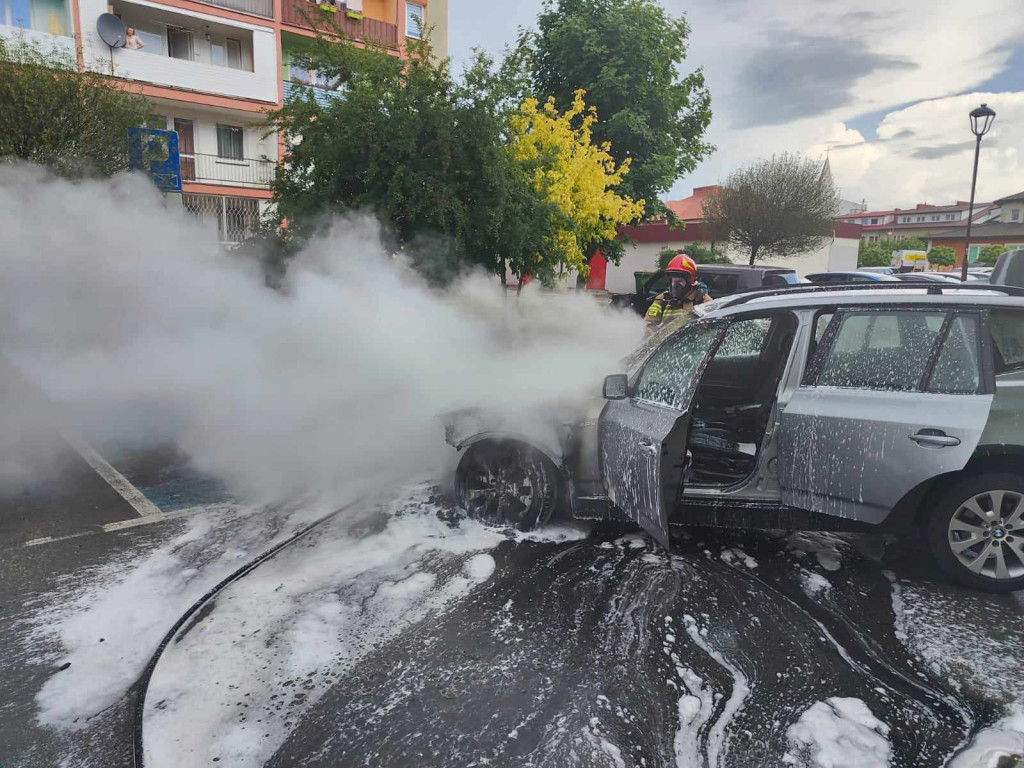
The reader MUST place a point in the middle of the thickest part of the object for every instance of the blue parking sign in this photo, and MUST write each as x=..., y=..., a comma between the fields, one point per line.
x=155, y=152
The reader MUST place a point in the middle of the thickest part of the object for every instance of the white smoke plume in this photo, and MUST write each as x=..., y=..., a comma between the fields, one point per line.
x=121, y=308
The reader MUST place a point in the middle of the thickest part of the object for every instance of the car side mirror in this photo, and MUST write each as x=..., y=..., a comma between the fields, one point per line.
x=615, y=387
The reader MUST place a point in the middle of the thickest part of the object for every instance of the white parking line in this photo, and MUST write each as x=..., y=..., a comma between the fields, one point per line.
x=115, y=479
x=120, y=525
x=51, y=539
x=159, y=517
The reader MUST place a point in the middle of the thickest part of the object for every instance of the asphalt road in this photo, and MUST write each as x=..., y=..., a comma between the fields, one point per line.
x=568, y=649
x=600, y=651
x=52, y=541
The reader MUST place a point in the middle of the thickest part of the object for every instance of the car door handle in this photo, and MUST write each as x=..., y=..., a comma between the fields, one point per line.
x=934, y=438
x=649, y=448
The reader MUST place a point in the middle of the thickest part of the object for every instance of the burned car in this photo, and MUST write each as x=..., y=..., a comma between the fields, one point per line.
x=881, y=408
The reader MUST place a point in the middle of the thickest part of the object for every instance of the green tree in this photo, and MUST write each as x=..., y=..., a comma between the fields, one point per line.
x=575, y=176
x=990, y=254
x=626, y=55
x=942, y=256
x=873, y=256
x=695, y=251
x=50, y=113
x=780, y=207
x=879, y=252
x=903, y=244
x=425, y=153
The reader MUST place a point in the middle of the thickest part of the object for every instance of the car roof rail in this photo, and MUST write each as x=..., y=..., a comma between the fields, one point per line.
x=934, y=289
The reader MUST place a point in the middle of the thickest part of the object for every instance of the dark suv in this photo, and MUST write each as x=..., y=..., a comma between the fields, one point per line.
x=721, y=280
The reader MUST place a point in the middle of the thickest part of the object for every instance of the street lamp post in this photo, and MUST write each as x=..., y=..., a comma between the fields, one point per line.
x=981, y=121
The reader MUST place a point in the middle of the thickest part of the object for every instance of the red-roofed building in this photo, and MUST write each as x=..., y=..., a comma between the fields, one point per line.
x=646, y=240
x=692, y=208
x=919, y=221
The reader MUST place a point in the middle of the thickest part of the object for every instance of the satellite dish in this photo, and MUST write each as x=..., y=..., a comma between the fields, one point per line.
x=111, y=30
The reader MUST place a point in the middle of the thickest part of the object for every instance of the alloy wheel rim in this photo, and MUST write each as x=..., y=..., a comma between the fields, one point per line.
x=986, y=534
x=496, y=487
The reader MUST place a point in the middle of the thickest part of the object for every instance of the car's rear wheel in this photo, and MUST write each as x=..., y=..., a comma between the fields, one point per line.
x=508, y=483
x=976, y=531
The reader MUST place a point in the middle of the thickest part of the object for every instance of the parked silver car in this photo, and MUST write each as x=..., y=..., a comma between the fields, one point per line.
x=884, y=407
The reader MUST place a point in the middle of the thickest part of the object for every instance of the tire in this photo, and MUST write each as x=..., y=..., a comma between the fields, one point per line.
x=508, y=483
x=975, y=531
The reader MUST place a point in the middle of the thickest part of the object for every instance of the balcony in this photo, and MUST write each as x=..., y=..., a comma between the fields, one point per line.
x=295, y=13
x=323, y=96
x=187, y=50
x=213, y=169
x=264, y=8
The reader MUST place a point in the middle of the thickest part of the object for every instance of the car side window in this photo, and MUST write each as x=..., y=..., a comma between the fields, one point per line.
x=886, y=350
x=671, y=375
x=1008, y=335
x=745, y=338
x=821, y=323
x=958, y=367
x=719, y=284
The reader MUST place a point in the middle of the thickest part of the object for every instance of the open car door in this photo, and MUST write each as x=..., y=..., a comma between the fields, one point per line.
x=643, y=435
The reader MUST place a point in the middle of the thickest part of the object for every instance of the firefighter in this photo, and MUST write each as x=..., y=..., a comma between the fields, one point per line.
x=683, y=292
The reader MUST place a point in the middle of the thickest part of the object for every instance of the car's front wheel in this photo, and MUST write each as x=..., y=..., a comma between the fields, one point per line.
x=508, y=483
x=976, y=532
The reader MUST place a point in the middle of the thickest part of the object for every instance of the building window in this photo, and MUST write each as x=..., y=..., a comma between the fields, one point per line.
x=229, y=142
x=179, y=44
x=874, y=221
x=1015, y=214
x=236, y=217
x=234, y=53
x=414, y=21
x=920, y=218
x=152, y=39
x=48, y=16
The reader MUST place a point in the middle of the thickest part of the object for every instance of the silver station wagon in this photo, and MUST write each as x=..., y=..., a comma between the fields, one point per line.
x=887, y=407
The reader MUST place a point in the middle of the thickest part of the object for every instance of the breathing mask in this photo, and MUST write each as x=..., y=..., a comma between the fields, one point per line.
x=677, y=289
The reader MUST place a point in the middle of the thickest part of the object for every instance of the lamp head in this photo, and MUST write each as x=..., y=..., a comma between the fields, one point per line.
x=981, y=120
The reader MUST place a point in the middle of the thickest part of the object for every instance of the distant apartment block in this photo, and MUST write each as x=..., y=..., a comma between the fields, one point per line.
x=212, y=68
x=1000, y=222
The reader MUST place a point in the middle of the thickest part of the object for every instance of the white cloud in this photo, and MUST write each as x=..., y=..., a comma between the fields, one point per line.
x=943, y=47
x=925, y=153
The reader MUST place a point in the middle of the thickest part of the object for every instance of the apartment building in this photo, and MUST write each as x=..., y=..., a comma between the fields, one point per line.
x=919, y=221
x=212, y=68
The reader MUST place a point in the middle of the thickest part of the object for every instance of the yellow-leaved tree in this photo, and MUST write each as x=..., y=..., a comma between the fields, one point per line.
x=576, y=177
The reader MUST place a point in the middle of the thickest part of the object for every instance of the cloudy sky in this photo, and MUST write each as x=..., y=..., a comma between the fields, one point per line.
x=886, y=83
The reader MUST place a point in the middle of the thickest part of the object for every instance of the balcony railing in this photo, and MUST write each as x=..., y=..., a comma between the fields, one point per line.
x=323, y=96
x=213, y=169
x=264, y=8
x=299, y=12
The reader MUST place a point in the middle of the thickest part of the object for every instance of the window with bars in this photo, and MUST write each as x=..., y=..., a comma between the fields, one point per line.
x=235, y=218
x=230, y=142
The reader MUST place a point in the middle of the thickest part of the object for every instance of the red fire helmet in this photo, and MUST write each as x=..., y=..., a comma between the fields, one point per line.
x=682, y=263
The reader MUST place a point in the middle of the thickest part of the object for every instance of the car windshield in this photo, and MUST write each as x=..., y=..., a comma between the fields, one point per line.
x=635, y=359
